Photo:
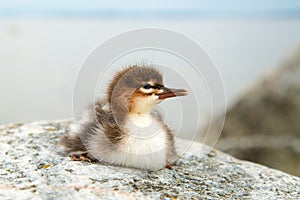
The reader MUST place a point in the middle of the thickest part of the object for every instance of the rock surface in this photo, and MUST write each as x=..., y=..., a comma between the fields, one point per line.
x=33, y=168
x=263, y=125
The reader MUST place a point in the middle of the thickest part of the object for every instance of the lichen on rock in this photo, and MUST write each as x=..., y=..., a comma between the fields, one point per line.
x=32, y=167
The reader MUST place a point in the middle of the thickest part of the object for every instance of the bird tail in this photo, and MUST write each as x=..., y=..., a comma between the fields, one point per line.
x=72, y=143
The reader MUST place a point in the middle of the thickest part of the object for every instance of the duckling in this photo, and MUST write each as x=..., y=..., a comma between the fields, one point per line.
x=124, y=128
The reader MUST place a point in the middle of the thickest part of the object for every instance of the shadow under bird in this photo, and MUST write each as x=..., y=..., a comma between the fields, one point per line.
x=124, y=128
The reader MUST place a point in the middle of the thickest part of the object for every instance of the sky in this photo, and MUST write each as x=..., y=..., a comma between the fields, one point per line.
x=121, y=8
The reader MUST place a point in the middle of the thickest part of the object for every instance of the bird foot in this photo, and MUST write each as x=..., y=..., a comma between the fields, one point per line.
x=81, y=157
x=169, y=166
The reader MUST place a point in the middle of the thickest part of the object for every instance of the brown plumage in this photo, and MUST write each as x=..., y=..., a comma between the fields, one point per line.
x=123, y=128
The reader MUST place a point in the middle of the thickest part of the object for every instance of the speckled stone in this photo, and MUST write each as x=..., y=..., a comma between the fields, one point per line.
x=32, y=167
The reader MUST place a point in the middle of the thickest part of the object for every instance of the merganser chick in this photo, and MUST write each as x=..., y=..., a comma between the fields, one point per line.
x=124, y=128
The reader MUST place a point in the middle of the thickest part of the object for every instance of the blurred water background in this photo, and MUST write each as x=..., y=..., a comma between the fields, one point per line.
x=43, y=44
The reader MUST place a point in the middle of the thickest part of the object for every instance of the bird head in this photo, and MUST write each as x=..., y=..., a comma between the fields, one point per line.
x=137, y=89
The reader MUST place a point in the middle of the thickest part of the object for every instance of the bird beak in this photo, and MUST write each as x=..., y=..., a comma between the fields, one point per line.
x=170, y=92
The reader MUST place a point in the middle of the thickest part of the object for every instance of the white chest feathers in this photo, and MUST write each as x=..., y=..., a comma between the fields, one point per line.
x=145, y=144
x=144, y=135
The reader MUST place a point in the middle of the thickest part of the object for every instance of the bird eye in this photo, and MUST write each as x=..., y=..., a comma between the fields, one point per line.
x=146, y=86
